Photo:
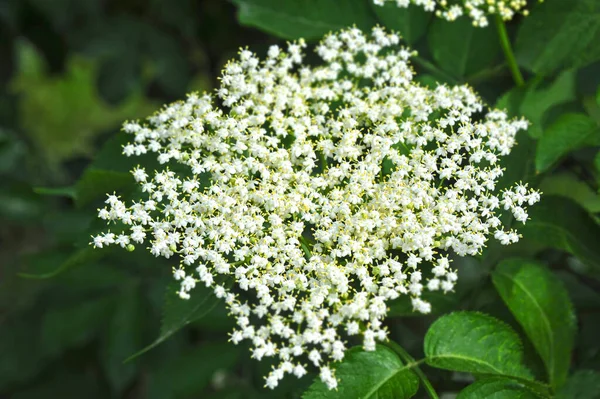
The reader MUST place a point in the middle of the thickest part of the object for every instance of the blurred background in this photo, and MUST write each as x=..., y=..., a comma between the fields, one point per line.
x=71, y=71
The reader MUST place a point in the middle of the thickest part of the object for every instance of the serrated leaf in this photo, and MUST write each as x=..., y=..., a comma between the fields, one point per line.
x=497, y=388
x=461, y=49
x=568, y=133
x=475, y=343
x=542, y=306
x=410, y=22
x=583, y=384
x=559, y=33
x=557, y=222
x=379, y=374
x=189, y=373
x=308, y=19
x=177, y=312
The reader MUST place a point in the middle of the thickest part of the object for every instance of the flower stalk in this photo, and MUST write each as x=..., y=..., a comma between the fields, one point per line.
x=508, y=52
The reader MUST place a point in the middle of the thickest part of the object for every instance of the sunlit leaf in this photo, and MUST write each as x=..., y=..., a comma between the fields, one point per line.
x=379, y=374
x=476, y=343
x=542, y=306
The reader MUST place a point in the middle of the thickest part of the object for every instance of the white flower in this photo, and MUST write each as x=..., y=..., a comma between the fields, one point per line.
x=477, y=10
x=328, y=377
x=322, y=192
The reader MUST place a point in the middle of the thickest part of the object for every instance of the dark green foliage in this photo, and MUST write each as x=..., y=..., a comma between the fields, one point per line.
x=309, y=19
x=461, y=50
x=497, y=388
x=560, y=34
x=524, y=320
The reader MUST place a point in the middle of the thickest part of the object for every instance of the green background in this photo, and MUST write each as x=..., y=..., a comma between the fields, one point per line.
x=72, y=71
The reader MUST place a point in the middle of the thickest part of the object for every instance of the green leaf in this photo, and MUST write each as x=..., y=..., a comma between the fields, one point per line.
x=559, y=34
x=568, y=185
x=497, y=388
x=80, y=257
x=69, y=192
x=475, y=343
x=568, y=133
x=410, y=22
x=189, y=373
x=519, y=167
x=93, y=184
x=308, y=19
x=518, y=164
x=379, y=374
x=583, y=384
x=461, y=49
x=96, y=183
x=177, y=312
x=63, y=115
x=542, y=306
x=535, y=101
x=124, y=335
x=557, y=222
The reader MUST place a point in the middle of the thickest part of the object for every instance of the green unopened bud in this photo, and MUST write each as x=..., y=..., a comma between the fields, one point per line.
x=130, y=247
x=173, y=248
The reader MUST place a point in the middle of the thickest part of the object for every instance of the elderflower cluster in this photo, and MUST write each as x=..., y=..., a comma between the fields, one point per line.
x=314, y=196
x=477, y=10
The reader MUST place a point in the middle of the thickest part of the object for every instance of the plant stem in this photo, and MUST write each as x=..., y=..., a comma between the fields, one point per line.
x=410, y=361
x=508, y=52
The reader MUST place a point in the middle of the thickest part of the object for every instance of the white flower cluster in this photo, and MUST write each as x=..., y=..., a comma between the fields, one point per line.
x=320, y=193
x=477, y=10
